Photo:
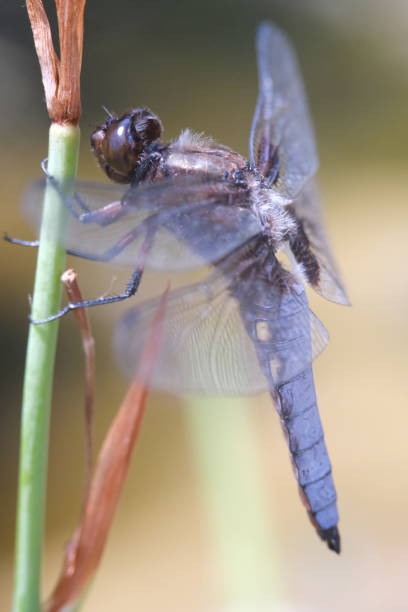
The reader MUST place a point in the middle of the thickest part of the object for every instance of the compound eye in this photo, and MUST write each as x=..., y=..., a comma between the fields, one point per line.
x=120, y=143
x=146, y=124
x=117, y=148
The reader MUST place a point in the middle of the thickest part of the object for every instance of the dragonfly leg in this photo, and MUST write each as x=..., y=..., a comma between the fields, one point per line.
x=68, y=202
x=130, y=290
x=118, y=247
x=104, y=215
x=131, y=287
x=107, y=255
x=82, y=254
x=29, y=243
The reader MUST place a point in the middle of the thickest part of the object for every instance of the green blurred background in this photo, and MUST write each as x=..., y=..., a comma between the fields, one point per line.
x=193, y=63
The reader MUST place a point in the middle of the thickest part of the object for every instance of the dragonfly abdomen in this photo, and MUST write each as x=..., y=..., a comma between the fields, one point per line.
x=282, y=343
x=299, y=413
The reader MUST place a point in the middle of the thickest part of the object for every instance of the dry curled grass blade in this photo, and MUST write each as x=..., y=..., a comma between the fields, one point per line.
x=60, y=75
x=84, y=551
x=49, y=62
x=69, y=278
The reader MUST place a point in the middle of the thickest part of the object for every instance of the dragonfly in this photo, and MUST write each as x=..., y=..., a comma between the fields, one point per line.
x=256, y=224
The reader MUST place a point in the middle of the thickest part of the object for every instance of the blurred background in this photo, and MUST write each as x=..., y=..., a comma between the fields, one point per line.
x=175, y=544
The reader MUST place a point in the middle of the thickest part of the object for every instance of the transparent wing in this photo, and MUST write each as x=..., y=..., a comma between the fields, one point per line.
x=309, y=211
x=210, y=343
x=281, y=121
x=193, y=223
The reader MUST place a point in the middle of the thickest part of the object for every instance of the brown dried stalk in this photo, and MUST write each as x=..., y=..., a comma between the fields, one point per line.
x=60, y=76
x=69, y=278
x=84, y=551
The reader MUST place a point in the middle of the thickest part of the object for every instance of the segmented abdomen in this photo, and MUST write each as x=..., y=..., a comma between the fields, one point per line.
x=297, y=406
x=278, y=322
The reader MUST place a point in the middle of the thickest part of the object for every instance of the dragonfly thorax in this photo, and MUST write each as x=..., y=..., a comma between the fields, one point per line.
x=197, y=155
x=278, y=224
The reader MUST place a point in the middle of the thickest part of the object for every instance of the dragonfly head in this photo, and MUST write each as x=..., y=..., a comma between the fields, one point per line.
x=120, y=143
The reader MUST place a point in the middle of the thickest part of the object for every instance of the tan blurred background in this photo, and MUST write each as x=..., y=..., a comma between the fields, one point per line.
x=193, y=63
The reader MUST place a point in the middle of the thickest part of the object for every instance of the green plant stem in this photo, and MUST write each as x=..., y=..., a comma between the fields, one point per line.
x=225, y=447
x=39, y=371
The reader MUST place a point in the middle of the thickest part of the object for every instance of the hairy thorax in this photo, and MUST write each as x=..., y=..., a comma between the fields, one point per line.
x=195, y=154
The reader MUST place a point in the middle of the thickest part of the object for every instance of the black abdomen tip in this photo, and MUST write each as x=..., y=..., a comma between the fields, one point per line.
x=332, y=538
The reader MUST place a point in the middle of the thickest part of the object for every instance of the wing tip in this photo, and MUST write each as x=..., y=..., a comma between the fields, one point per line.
x=268, y=26
x=333, y=291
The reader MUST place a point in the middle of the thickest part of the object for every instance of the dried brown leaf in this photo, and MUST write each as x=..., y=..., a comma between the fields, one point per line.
x=84, y=551
x=69, y=278
x=61, y=77
x=49, y=62
x=71, y=30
